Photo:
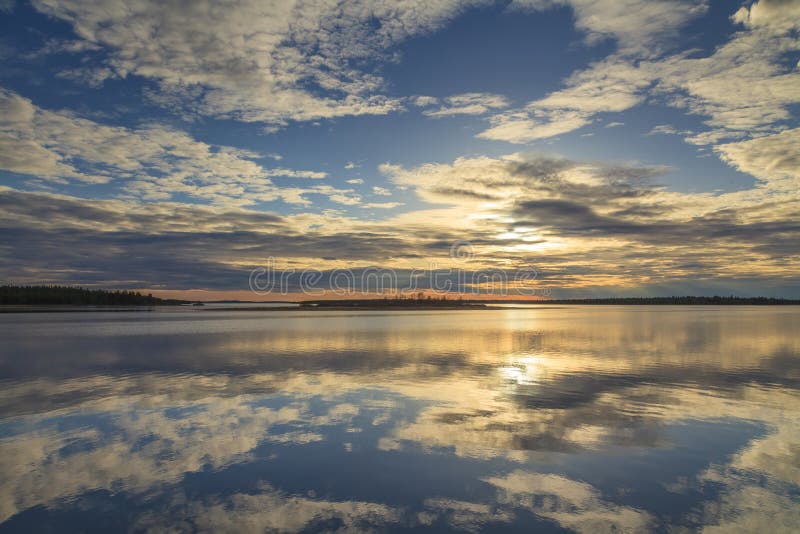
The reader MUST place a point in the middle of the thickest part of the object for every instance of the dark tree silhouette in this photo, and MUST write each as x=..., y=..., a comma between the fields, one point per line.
x=76, y=296
x=715, y=300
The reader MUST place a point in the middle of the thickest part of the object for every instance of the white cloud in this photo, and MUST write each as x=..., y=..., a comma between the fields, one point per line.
x=298, y=195
x=776, y=14
x=382, y=205
x=153, y=162
x=63, y=46
x=291, y=173
x=342, y=197
x=424, y=101
x=381, y=191
x=666, y=129
x=640, y=27
x=351, y=165
x=520, y=127
x=774, y=159
x=612, y=85
x=468, y=104
x=355, y=181
x=257, y=60
x=743, y=87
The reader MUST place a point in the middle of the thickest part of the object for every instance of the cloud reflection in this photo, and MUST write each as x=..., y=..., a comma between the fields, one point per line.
x=513, y=397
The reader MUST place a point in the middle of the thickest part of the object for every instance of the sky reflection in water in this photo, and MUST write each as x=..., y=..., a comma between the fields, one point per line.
x=587, y=419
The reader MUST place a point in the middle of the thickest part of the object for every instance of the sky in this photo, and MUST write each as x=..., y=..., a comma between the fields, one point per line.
x=573, y=148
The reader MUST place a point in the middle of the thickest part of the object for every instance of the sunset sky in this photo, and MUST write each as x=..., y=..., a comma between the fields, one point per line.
x=613, y=147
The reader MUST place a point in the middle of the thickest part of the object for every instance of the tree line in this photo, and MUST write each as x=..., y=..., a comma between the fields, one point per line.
x=715, y=300
x=77, y=296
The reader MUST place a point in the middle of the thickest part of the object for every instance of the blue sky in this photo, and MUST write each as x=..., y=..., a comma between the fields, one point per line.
x=618, y=147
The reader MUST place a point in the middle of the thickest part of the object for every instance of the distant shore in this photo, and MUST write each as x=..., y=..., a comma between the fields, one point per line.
x=32, y=299
x=634, y=301
x=296, y=307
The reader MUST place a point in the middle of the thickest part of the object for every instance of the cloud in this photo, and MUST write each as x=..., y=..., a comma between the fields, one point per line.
x=516, y=178
x=152, y=162
x=576, y=220
x=63, y=46
x=640, y=27
x=383, y=205
x=521, y=127
x=350, y=165
x=424, y=101
x=744, y=88
x=266, y=61
x=608, y=86
x=178, y=245
x=667, y=129
x=774, y=158
x=467, y=104
x=22, y=152
x=342, y=197
x=355, y=181
x=92, y=76
x=572, y=217
x=290, y=173
x=381, y=191
x=544, y=205
x=775, y=14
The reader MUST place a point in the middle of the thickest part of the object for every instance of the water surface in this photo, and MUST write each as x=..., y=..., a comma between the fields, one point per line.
x=574, y=418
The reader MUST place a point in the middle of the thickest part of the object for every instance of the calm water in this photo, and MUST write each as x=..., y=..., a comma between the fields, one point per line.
x=588, y=419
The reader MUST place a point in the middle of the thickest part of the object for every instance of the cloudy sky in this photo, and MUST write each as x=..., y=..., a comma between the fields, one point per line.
x=613, y=147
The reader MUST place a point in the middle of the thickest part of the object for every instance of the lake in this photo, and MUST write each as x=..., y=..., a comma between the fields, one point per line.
x=543, y=419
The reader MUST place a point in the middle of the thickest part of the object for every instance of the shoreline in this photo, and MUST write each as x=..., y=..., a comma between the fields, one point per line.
x=12, y=308
x=86, y=309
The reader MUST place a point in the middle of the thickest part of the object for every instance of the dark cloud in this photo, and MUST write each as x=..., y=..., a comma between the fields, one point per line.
x=612, y=182
x=58, y=239
x=573, y=218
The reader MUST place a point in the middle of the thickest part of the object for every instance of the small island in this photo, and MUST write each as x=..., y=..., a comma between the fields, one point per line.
x=405, y=303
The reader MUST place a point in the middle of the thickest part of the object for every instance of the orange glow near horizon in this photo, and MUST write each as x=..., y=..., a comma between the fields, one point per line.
x=206, y=295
